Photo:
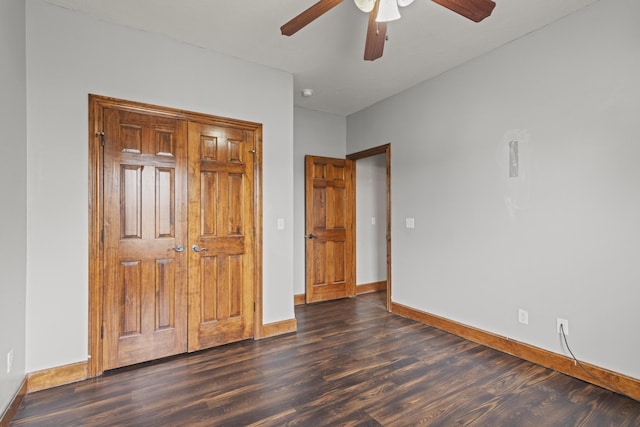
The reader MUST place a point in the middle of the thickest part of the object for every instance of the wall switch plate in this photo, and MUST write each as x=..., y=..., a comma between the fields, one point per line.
x=565, y=325
x=280, y=223
x=373, y=220
x=523, y=316
x=9, y=361
x=410, y=223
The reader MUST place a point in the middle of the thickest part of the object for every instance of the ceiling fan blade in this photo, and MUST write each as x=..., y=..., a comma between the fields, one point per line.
x=476, y=10
x=308, y=16
x=376, y=35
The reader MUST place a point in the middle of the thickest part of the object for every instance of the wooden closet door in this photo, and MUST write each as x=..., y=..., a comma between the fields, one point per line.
x=221, y=235
x=145, y=274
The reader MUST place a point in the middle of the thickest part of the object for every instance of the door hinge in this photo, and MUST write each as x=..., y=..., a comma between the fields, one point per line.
x=102, y=332
x=254, y=306
x=101, y=135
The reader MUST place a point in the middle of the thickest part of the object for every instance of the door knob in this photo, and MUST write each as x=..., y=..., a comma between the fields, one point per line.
x=178, y=248
x=196, y=248
x=311, y=236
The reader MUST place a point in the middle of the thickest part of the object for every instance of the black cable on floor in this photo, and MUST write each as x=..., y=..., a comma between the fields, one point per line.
x=594, y=377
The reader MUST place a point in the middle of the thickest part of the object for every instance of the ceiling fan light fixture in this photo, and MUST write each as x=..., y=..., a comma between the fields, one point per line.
x=365, y=5
x=404, y=3
x=388, y=11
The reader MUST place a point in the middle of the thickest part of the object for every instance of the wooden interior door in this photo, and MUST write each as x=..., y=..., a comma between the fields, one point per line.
x=145, y=271
x=221, y=235
x=162, y=182
x=330, y=213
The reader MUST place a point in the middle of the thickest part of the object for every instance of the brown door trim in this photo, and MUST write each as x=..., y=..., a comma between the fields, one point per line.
x=386, y=150
x=97, y=104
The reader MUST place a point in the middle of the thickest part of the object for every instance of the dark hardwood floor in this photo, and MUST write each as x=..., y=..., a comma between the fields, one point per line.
x=350, y=364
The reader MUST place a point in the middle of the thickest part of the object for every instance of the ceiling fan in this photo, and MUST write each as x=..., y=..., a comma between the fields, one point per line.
x=382, y=11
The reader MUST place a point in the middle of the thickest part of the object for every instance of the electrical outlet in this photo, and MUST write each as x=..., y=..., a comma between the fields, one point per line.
x=9, y=361
x=523, y=316
x=565, y=325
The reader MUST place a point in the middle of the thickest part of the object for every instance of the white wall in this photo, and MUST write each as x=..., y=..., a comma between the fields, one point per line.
x=371, y=219
x=562, y=239
x=70, y=55
x=13, y=193
x=319, y=134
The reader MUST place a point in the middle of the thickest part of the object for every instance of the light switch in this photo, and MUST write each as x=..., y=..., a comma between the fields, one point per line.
x=280, y=223
x=410, y=223
x=373, y=220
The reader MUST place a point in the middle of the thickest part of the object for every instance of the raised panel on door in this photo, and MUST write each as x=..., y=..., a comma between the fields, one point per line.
x=145, y=278
x=221, y=268
x=330, y=256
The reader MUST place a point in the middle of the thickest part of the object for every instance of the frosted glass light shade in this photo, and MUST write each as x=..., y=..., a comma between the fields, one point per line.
x=365, y=5
x=404, y=3
x=388, y=11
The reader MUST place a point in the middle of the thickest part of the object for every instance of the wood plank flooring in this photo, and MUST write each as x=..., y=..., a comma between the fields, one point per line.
x=350, y=364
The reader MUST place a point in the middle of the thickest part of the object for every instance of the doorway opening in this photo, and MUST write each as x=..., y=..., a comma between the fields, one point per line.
x=373, y=220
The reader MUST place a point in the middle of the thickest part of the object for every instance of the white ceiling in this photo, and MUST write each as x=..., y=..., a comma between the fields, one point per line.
x=326, y=56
